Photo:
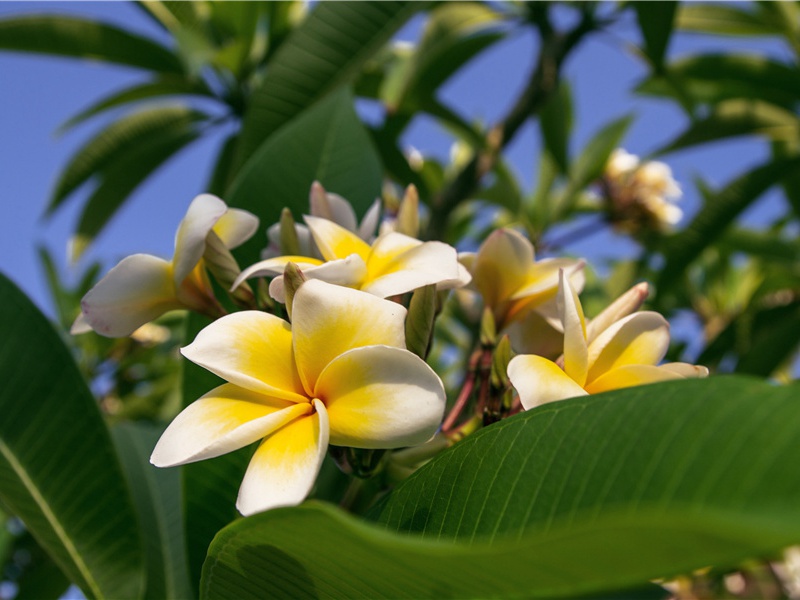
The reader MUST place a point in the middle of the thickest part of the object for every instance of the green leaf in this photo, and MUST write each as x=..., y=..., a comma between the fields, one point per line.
x=717, y=214
x=157, y=497
x=722, y=19
x=589, y=495
x=161, y=87
x=323, y=53
x=70, y=36
x=555, y=122
x=58, y=469
x=327, y=143
x=656, y=20
x=105, y=149
x=713, y=78
x=735, y=118
x=774, y=338
x=124, y=175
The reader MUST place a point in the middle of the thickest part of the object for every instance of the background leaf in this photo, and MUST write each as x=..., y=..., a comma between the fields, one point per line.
x=58, y=469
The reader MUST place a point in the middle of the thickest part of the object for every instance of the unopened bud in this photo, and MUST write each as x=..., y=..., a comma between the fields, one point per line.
x=290, y=244
x=500, y=359
x=488, y=328
x=221, y=264
x=293, y=278
x=408, y=213
x=318, y=202
x=419, y=321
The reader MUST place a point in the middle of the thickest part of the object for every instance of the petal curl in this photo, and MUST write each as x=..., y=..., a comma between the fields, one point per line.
x=334, y=241
x=251, y=349
x=190, y=240
x=639, y=339
x=381, y=397
x=348, y=272
x=235, y=227
x=136, y=291
x=328, y=320
x=686, y=370
x=272, y=267
x=630, y=375
x=501, y=265
x=576, y=354
x=285, y=466
x=223, y=420
x=539, y=381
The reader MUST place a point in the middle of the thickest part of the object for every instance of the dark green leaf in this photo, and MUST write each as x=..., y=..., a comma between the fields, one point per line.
x=555, y=122
x=157, y=497
x=325, y=52
x=63, y=35
x=775, y=337
x=723, y=19
x=58, y=469
x=656, y=20
x=717, y=214
x=327, y=143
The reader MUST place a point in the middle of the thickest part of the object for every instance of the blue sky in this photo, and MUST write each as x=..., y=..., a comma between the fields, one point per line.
x=39, y=93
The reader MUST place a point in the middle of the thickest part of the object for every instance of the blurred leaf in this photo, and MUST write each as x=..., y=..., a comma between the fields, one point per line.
x=220, y=176
x=327, y=143
x=656, y=20
x=175, y=16
x=33, y=571
x=774, y=337
x=120, y=178
x=154, y=89
x=555, y=121
x=58, y=469
x=723, y=19
x=734, y=118
x=713, y=78
x=105, y=149
x=718, y=212
x=64, y=35
x=502, y=189
x=323, y=53
x=761, y=244
x=589, y=495
x=157, y=497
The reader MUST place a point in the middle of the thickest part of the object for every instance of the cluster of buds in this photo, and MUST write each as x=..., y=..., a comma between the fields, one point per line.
x=337, y=358
x=640, y=197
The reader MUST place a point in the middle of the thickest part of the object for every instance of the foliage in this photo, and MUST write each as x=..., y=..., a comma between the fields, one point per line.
x=594, y=495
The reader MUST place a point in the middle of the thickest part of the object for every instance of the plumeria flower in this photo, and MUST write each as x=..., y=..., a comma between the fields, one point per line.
x=339, y=374
x=393, y=264
x=329, y=206
x=142, y=287
x=510, y=280
x=641, y=193
x=623, y=354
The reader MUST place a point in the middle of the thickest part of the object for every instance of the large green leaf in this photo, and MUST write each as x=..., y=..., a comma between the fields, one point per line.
x=58, y=469
x=326, y=51
x=583, y=496
x=157, y=496
x=63, y=35
x=329, y=144
x=719, y=211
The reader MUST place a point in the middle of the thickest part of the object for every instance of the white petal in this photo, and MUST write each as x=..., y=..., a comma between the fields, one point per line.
x=223, y=420
x=576, y=355
x=369, y=223
x=251, y=349
x=285, y=466
x=190, y=240
x=304, y=240
x=80, y=325
x=136, y=291
x=540, y=381
x=336, y=209
x=381, y=397
x=272, y=267
x=235, y=227
x=348, y=272
x=328, y=320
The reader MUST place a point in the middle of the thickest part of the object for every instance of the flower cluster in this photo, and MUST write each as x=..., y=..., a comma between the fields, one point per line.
x=336, y=372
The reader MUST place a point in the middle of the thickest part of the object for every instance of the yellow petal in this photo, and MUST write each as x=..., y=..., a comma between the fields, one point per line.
x=285, y=466
x=334, y=241
x=539, y=381
x=501, y=266
x=686, y=370
x=251, y=349
x=576, y=354
x=541, y=286
x=348, y=271
x=235, y=227
x=639, y=339
x=328, y=320
x=630, y=375
x=381, y=397
x=136, y=291
x=223, y=420
x=190, y=241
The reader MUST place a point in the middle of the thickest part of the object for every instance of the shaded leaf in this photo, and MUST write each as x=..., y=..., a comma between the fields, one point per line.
x=656, y=20
x=323, y=53
x=774, y=337
x=328, y=144
x=555, y=121
x=64, y=35
x=58, y=469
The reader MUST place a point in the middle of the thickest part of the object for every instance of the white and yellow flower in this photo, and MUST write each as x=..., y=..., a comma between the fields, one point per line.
x=393, y=264
x=623, y=354
x=510, y=280
x=338, y=374
x=142, y=287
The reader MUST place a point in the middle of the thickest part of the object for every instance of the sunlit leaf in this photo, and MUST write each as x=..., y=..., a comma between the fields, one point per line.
x=58, y=469
x=723, y=19
x=64, y=35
